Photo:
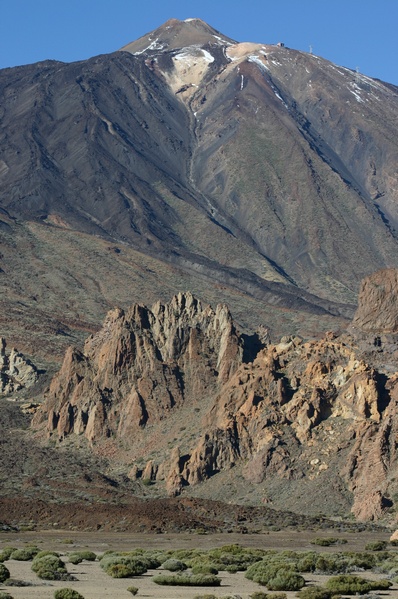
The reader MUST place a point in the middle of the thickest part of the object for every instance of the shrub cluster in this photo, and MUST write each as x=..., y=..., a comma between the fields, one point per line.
x=316, y=593
x=5, y=553
x=24, y=555
x=123, y=565
x=5, y=595
x=194, y=580
x=347, y=584
x=76, y=557
x=276, y=575
x=50, y=567
x=174, y=565
x=376, y=546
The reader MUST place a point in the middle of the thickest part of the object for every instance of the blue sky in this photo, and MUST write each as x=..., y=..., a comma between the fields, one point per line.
x=351, y=33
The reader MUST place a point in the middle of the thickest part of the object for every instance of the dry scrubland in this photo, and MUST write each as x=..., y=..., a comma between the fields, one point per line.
x=352, y=553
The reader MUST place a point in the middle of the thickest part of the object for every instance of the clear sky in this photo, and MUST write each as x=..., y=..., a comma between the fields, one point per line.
x=351, y=33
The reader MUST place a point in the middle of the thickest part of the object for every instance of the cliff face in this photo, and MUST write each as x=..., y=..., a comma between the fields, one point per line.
x=307, y=419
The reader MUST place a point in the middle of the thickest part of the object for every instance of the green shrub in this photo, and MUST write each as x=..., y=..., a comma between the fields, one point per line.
x=132, y=590
x=394, y=542
x=67, y=594
x=4, y=573
x=76, y=557
x=316, y=593
x=262, y=572
x=259, y=595
x=277, y=596
x=376, y=546
x=151, y=562
x=24, y=555
x=50, y=567
x=332, y=564
x=5, y=595
x=328, y=541
x=196, y=580
x=307, y=563
x=325, y=542
x=286, y=581
x=5, y=553
x=174, y=565
x=123, y=566
x=46, y=552
x=120, y=571
x=347, y=584
x=204, y=568
x=232, y=568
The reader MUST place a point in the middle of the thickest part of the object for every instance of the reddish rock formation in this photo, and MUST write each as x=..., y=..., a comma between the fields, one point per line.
x=140, y=366
x=301, y=413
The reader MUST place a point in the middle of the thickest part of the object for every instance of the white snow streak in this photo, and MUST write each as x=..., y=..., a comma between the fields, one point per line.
x=258, y=61
x=153, y=46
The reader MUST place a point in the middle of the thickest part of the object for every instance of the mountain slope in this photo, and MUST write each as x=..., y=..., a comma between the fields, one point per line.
x=248, y=170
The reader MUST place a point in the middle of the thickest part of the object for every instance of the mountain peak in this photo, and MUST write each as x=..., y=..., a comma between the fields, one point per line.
x=175, y=34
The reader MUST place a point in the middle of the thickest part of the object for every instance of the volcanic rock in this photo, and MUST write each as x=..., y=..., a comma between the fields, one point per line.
x=378, y=302
x=142, y=365
x=16, y=371
x=296, y=413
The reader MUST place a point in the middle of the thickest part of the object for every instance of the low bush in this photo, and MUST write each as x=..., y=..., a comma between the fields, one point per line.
x=5, y=595
x=76, y=557
x=50, y=567
x=174, y=565
x=316, y=593
x=347, y=584
x=24, y=555
x=196, y=580
x=204, y=568
x=120, y=571
x=67, y=594
x=325, y=541
x=264, y=571
x=233, y=568
x=4, y=573
x=286, y=581
x=262, y=595
x=376, y=546
x=46, y=552
x=5, y=553
x=123, y=566
x=132, y=590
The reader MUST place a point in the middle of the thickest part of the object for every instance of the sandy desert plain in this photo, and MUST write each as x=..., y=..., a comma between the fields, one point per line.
x=93, y=583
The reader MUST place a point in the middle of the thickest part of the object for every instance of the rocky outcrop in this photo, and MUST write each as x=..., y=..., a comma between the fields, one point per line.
x=141, y=366
x=182, y=394
x=16, y=371
x=289, y=415
x=378, y=302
